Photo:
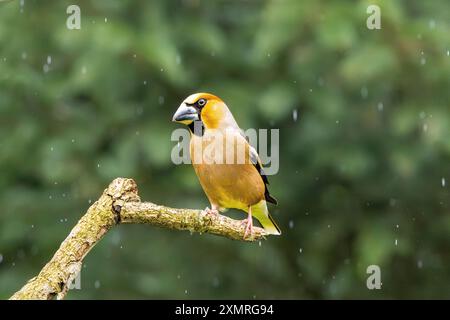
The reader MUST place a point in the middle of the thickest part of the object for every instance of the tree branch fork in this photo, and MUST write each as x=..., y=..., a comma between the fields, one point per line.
x=121, y=204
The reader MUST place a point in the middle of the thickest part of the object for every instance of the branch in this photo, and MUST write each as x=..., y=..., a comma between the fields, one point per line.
x=119, y=204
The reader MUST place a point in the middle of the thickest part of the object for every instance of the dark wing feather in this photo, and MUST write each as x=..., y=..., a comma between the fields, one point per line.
x=257, y=163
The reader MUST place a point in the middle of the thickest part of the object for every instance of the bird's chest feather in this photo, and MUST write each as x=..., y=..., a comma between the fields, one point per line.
x=230, y=184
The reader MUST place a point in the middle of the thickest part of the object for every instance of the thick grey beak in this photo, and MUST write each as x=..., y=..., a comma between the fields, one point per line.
x=185, y=114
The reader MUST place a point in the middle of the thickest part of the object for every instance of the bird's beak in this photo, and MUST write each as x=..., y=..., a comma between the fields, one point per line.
x=185, y=114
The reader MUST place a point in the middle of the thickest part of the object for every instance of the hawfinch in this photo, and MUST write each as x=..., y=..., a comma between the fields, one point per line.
x=228, y=167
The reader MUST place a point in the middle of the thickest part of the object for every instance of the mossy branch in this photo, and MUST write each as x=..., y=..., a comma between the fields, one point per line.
x=120, y=204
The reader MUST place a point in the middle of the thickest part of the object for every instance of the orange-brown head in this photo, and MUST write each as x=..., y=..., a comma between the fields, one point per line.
x=207, y=108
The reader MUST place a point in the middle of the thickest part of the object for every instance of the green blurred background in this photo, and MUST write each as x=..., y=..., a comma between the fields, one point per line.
x=364, y=118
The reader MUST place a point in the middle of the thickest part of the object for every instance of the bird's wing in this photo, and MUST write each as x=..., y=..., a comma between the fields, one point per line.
x=256, y=161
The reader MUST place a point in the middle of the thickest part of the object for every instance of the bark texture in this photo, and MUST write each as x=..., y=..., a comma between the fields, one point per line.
x=120, y=204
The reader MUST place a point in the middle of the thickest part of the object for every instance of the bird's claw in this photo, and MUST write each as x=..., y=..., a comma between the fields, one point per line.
x=248, y=227
x=211, y=212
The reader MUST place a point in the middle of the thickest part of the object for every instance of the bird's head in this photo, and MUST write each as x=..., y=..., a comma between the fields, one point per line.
x=204, y=107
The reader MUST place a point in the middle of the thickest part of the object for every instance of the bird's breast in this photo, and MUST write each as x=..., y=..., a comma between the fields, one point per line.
x=228, y=178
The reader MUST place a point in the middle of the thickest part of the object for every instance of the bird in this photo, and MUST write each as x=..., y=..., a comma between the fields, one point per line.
x=227, y=166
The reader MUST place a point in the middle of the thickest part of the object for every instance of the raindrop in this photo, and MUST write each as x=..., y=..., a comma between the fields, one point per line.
x=300, y=250
x=106, y=20
x=98, y=165
x=50, y=197
x=419, y=264
x=396, y=242
x=291, y=224
x=425, y=127
x=329, y=226
x=260, y=243
x=83, y=70
x=73, y=140
x=432, y=24
x=162, y=69
x=97, y=284
x=185, y=291
x=364, y=92
x=51, y=149
x=24, y=55
x=32, y=226
x=178, y=59
x=443, y=182
x=161, y=100
x=178, y=277
x=448, y=53
x=46, y=68
x=422, y=115
x=49, y=59
x=294, y=114
x=397, y=226
x=337, y=121
x=145, y=82
x=380, y=106
x=1, y=258
x=134, y=55
x=423, y=61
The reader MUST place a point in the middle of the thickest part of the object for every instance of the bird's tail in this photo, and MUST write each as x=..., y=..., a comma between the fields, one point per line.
x=260, y=212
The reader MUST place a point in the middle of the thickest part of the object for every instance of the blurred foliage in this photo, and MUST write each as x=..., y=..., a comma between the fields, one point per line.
x=364, y=175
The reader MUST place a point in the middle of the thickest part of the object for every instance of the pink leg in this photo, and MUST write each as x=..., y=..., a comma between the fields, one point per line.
x=249, y=223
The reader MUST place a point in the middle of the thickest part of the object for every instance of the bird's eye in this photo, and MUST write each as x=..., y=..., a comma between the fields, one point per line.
x=201, y=102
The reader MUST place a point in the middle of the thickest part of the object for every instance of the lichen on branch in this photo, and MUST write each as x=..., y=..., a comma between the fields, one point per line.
x=120, y=204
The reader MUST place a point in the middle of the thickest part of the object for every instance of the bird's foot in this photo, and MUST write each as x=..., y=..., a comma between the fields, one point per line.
x=211, y=212
x=248, y=226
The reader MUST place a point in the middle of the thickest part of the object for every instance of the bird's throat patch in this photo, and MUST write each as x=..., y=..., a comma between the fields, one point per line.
x=197, y=128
